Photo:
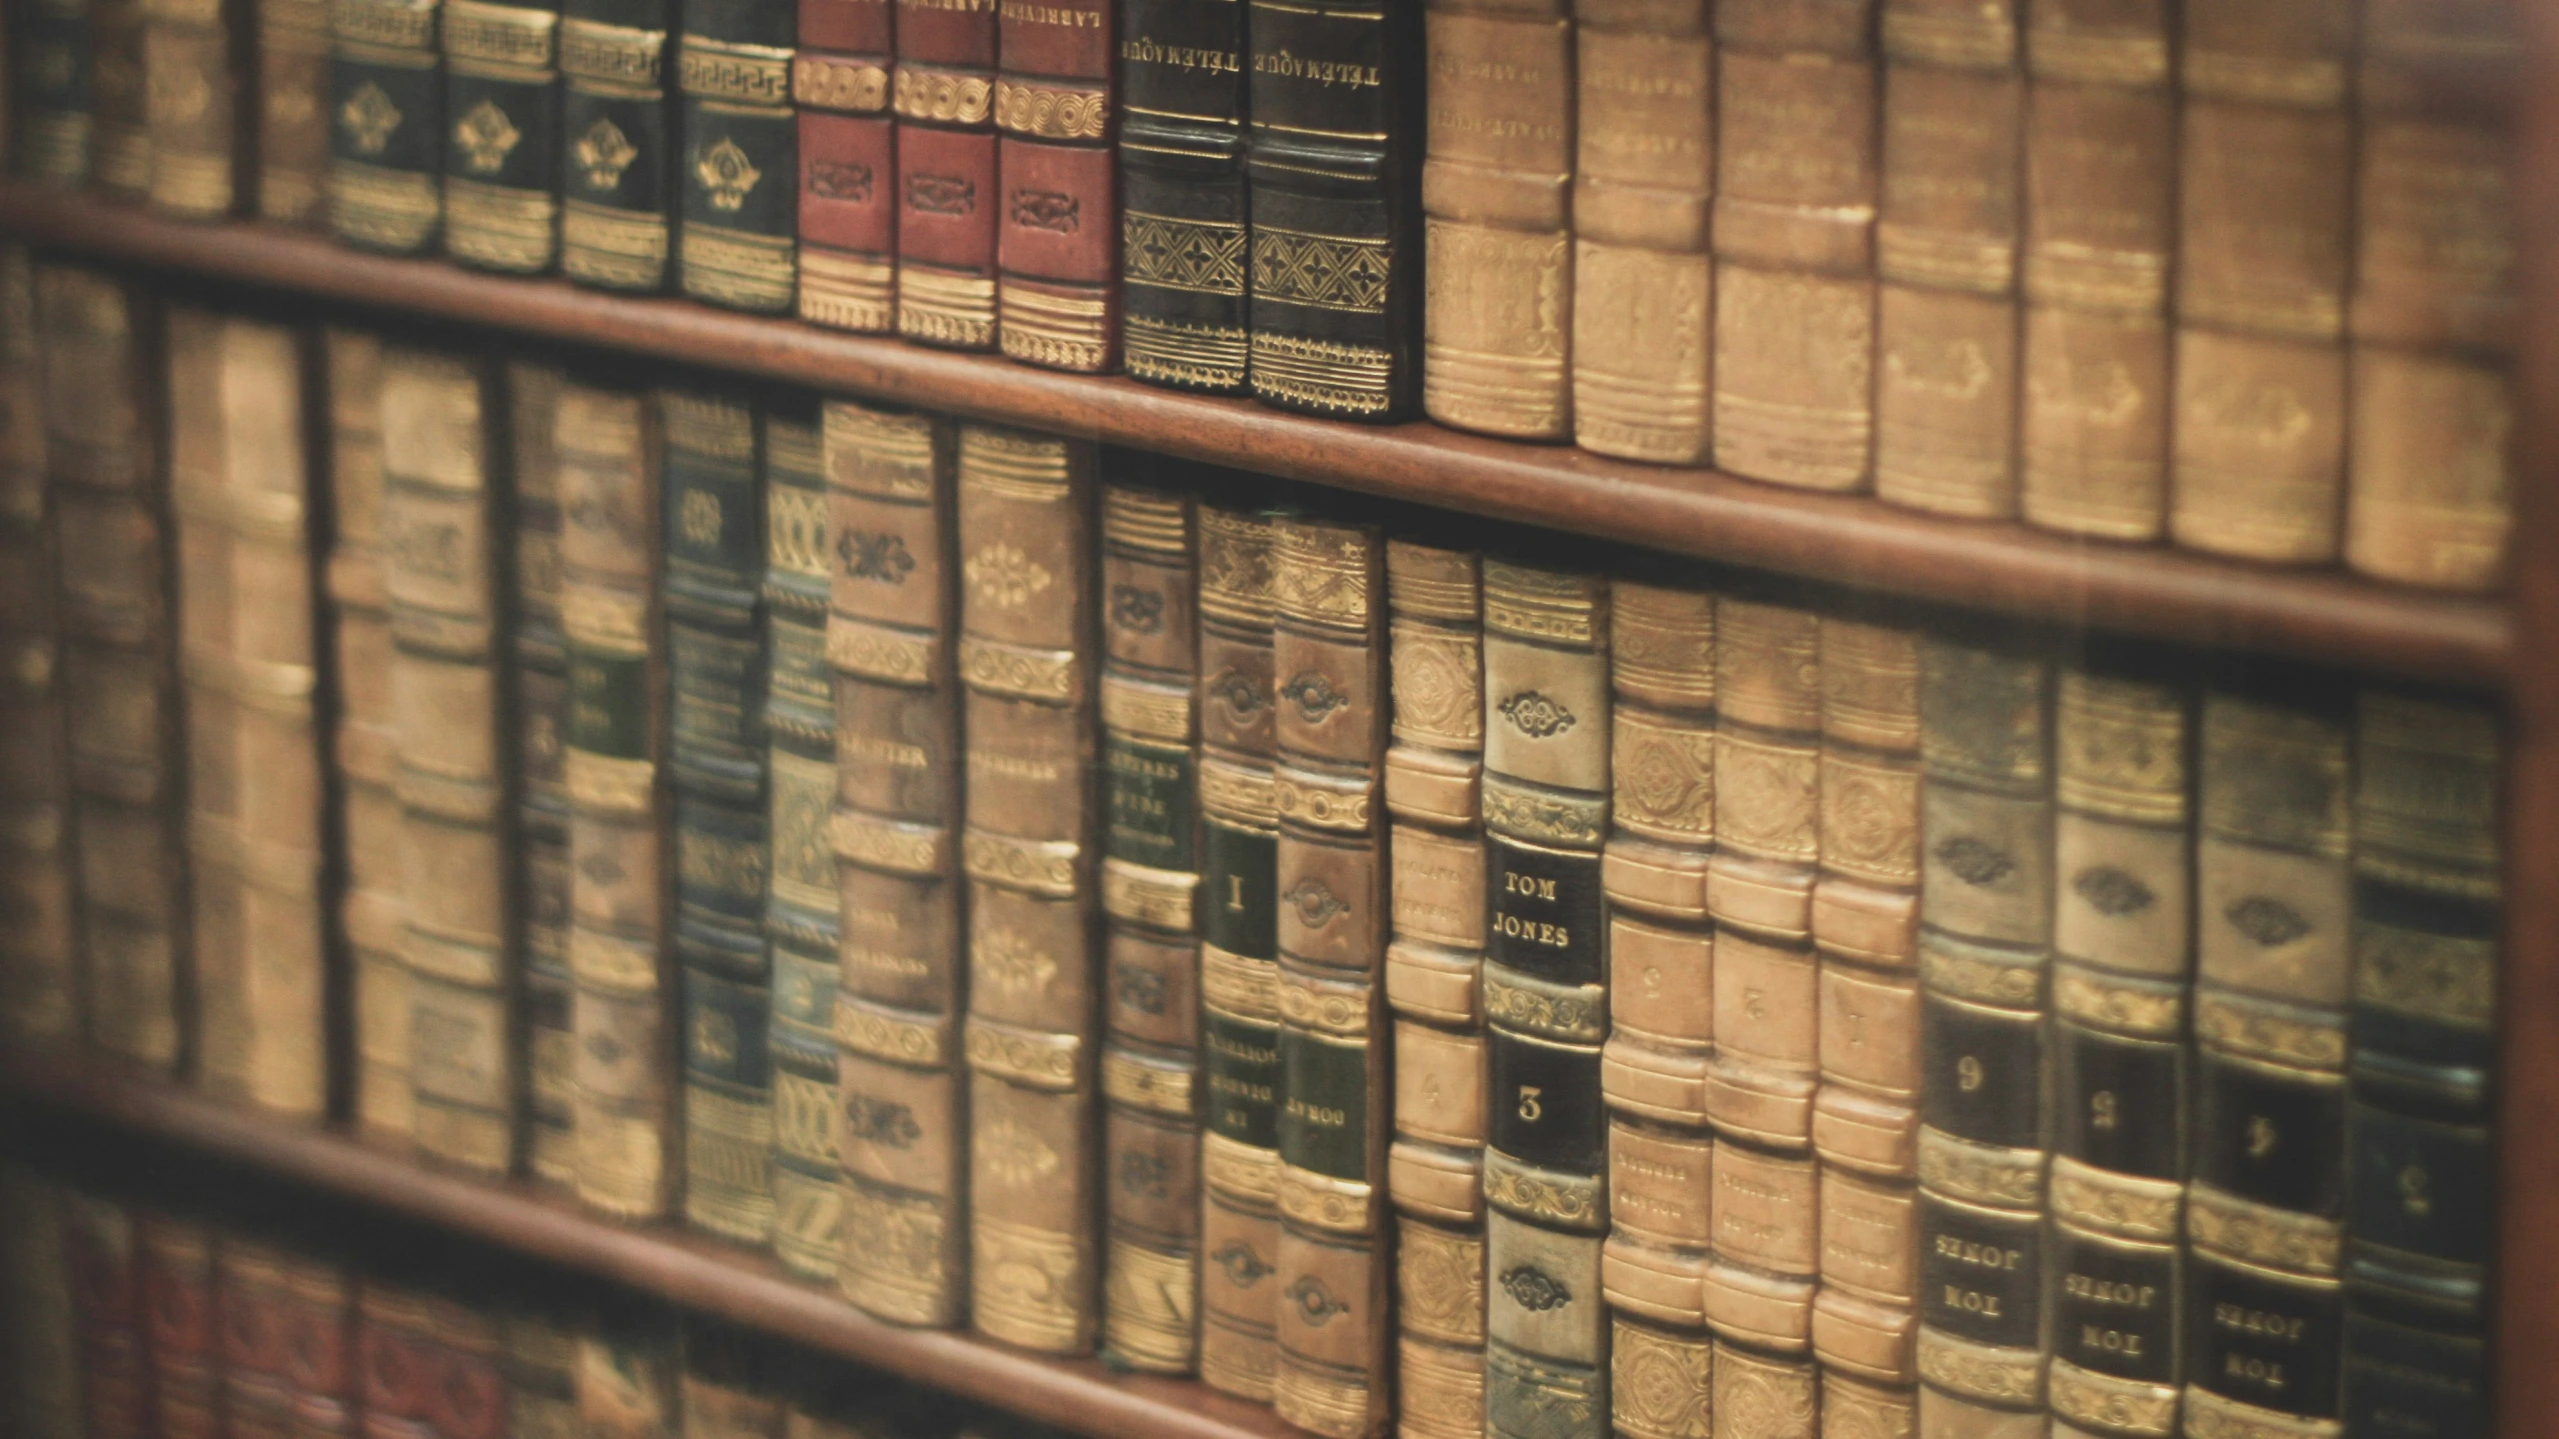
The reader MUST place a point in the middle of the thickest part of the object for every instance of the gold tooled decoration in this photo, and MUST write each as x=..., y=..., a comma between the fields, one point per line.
x=1543, y=817
x=885, y=845
x=2209, y=1416
x=1980, y=1173
x=1947, y=971
x=1233, y=792
x=1549, y=1398
x=1239, y=1171
x=1145, y=711
x=2426, y=795
x=1320, y=1201
x=1151, y=1087
x=1320, y=1402
x=1981, y=717
x=1051, y=112
x=880, y=652
x=1032, y=1059
x=1869, y=816
x=1663, y=771
x=1661, y=1386
x=1324, y=1010
x=2301, y=1244
x=1157, y=897
x=1047, y=867
x=1552, y=606
x=2116, y=1204
x=863, y=1030
x=2120, y=749
x=882, y=453
x=1321, y=375
x=2266, y=1034
x=1233, y=984
x=1762, y=1396
x=2118, y=1406
x=1439, y=1276
x=1569, y=1201
x=942, y=96
x=1768, y=796
x=1049, y=676
x=1981, y=1371
x=2274, y=776
x=1320, y=802
x=1439, y=1391
x=2113, y=1004
x=893, y=1263
x=729, y=70
x=1028, y=1284
x=1869, y=685
x=1570, y=1013
x=612, y=963
x=1200, y=256
x=1437, y=687
x=2451, y=979
x=1149, y=1299
x=945, y=308
x=837, y=82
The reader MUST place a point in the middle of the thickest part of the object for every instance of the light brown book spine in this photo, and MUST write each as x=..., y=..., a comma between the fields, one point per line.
x=292, y=146
x=119, y=99
x=540, y=656
x=192, y=90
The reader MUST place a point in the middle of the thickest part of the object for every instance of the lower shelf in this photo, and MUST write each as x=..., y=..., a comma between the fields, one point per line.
x=701, y=1274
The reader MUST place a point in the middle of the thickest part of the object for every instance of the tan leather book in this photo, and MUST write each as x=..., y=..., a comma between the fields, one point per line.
x=541, y=665
x=193, y=64
x=41, y=1355
x=120, y=99
x=1496, y=193
x=293, y=119
x=1026, y=661
x=1434, y=984
x=238, y=475
x=1643, y=182
x=893, y=601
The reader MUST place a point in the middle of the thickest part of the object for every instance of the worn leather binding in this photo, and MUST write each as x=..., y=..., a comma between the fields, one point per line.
x=502, y=137
x=1434, y=984
x=629, y=1378
x=119, y=100
x=257, y=1323
x=1498, y=289
x=1057, y=239
x=848, y=171
x=1150, y=892
x=1985, y=947
x=616, y=175
x=540, y=651
x=247, y=641
x=1239, y=955
x=52, y=77
x=386, y=109
x=622, y=1006
x=2100, y=221
x=713, y=593
x=293, y=122
x=1026, y=659
x=192, y=68
x=1794, y=221
x=36, y=1296
x=739, y=168
x=2427, y=915
x=539, y=1363
x=943, y=90
x=800, y=923
x=2266, y=1201
x=1182, y=197
x=174, y=1269
x=893, y=603
x=102, y=1253
x=111, y=536
x=318, y=1321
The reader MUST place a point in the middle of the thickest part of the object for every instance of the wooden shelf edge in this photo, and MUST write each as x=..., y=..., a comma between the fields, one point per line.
x=2005, y=568
x=699, y=1273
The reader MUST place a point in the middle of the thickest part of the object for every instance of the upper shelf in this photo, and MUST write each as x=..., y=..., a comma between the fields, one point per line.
x=2003, y=567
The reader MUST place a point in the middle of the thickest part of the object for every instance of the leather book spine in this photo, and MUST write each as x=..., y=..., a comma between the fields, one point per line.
x=1661, y=1031
x=1150, y=892
x=1794, y=218
x=2419, y=1175
x=114, y=1364
x=739, y=167
x=726, y=1392
x=713, y=592
x=943, y=90
x=2266, y=1199
x=1058, y=226
x=1335, y=119
x=174, y=1268
x=903, y=1104
x=1182, y=197
x=629, y=1379
x=541, y=660
x=2122, y=975
x=2265, y=190
x=1026, y=660
x=192, y=63
x=1239, y=954
x=539, y=1364
x=1546, y=791
x=372, y=902
x=616, y=141
x=502, y=141
x=253, y=1320
x=1643, y=189
x=1335, y=1329
x=293, y=123
x=848, y=165
x=386, y=103
x=52, y=79
x=319, y=1347
x=119, y=100
x=1946, y=258
x=467, y=1399
x=1497, y=179
x=246, y=619
x=1434, y=984
x=621, y=1009
x=800, y=921
x=2100, y=222
x=36, y=1297
x=1985, y=946
x=111, y=537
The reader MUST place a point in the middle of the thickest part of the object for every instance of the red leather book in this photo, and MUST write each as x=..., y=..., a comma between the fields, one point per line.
x=176, y=1262
x=1057, y=285
x=944, y=94
x=319, y=1348
x=396, y=1365
x=468, y=1398
x=106, y=1294
x=848, y=169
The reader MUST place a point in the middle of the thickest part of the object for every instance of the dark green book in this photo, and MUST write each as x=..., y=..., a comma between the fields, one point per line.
x=739, y=175
x=501, y=172
x=386, y=109
x=615, y=138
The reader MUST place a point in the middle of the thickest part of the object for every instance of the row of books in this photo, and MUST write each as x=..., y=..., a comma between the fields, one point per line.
x=2242, y=281
x=1107, y=901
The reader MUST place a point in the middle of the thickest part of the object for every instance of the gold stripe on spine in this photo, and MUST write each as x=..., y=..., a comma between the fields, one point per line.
x=1141, y=519
x=1980, y=1371
x=880, y=453
x=1541, y=816
x=1235, y=567
x=2209, y=1416
x=1964, y=975
x=2425, y=806
x=839, y=82
x=2273, y=757
x=1148, y=1312
x=1320, y=1403
x=1980, y=1173
x=1248, y=797
x=899, y=1271
x=1144, y=711
x=727, y=70
x=1662, y=643
x=865, y=1029
x=1442, y=1389
x=1151, y=1087
x=1570, y=1201
x=2271, y=1036
x=617, y=56
x=611, y=247
x=1321, y=374
x=1206, y=356
x=945, y=308
x=395, y=24
x=1534, y=604
x=1323, y=802
x=1037, y=1307
x=1158, y=897
x=1035, y=674
x=502, y=35
x=1324, y=1010
x=1038, y=866
x=613, y=964
x=1240, y=1170
x=737, y=266
x=2253, y=1234
x=848, y=292
x=1571, y=1013
x=886, y=845
x=388, y=208
x=1319, y=573
x=501, y=228
x=943, y=97
x=2114, y=1203
x=1339, y=1206
x=1052, y=112
x=1034, y=1059
x=616, y=786
x=1233, y=984
x=2097, y=998
x=2450, y=979
x=880, y=652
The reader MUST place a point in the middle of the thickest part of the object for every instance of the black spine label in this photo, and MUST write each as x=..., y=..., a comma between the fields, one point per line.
x=2122, y=1103
x=1984, y=1072
x=1546, y=1105
x=1542, y=911
x=1978, y=1272
x=2271, y=1135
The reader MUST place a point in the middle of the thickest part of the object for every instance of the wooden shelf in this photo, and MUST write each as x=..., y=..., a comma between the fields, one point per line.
x=662, y=1260
x=2004, y=568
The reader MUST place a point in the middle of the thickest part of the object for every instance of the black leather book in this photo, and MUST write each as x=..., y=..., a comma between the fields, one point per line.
x=739, y=170
x=386, y=99
x=1182, y=265
x=615, y=134
x=501, y=170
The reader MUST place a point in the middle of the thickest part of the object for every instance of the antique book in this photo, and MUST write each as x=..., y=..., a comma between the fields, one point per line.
x=467, y=1394
x=293, y=123
x=1946, y=258
x=258, y=1322
x=113, y=1363
x=540, y=1365
x=847, y=138
x=372, y=909
x=2099, y=224
x=1496, y=192
x=801, y=933
x=2264, y=186
x=36, y=1281
x=2274, y=976
x=621, y=1008
x=1026, y=659
x=247, y=644
x=386, y=107
x=943, y=90
x=1434, y=983
x=1334, y=1280
x=1794, y=220
x=739, y=168
x=1150, y=886
x=1329, y=153
x=1985, y=945
x=39, y=993
x=630, y=1376
x=713, y=593
x=541, y=664
x=893, y=592
x=2420, y=1182
x=173, y=1268
x=193, y=64
x=1643, y=183
x=727, y=1389
x=119, y=663
x=1182, y=197
x=119, y=100
x=1058, y=230
x=51, y=79
x=501, y=157
x=616, y=135
x=319, y=1360
x=1239, y=954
